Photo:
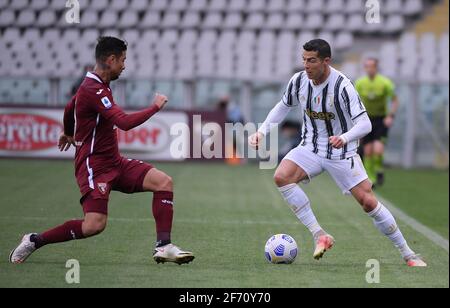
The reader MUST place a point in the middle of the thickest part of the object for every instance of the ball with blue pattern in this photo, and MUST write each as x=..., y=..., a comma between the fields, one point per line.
x=281, y=249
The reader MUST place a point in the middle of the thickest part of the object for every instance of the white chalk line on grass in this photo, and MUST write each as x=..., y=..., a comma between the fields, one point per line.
x=145, y=220
x=417, y=226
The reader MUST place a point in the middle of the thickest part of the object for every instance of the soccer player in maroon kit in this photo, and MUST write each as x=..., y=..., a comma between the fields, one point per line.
x=90, y=119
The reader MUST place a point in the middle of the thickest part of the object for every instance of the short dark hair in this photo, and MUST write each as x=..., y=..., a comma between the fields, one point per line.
x=374, y=59
x=107, y=46
x=319, y=45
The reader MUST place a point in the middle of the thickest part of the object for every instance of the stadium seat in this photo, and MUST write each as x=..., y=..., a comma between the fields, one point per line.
x=304, y=37
x=233, y=21
x=37, y=5
x=198, y=5
x=108, y=19
x=179, y=6
x=151, y=20
x=118, y=5
x=190, y=20
x=255, y=21
x=4, y=4
x=413, y=7
x=217, y=5
x=46, y=18
x=237, y=5
x=89, y=19
x=159, y=5
x=335, y=22
x=355, y=6
x=343, y=40
x=7, y=18
x=355, y=23
x=99, y=5
x=26, y=18
x=212, y=21
x=276, y=6
x=275, y=21
x=129, y=19
x=335, y=6
x=139, y=5
x=285, y=56
x=171, y=20
x=256, y=6
x=315, y=6
x=31, y=35
x=394, y=24
x=296, y=6
x=392, y=7
x=314, y=21
x=295, y=21
x=18, y=5
x=327, y=36
x=169, y=37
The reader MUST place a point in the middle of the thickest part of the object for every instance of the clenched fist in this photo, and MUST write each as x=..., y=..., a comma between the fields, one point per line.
x=160, y=100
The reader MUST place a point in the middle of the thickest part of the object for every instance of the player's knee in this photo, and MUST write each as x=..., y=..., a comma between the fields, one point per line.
x=93, y=227
x=368, y=202
x=280, y=179
x=166, y=184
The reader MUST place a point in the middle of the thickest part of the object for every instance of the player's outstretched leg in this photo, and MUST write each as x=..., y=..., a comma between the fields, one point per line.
x=287, y=173
x=93, y=224
x=162, y=186
x=385, y=223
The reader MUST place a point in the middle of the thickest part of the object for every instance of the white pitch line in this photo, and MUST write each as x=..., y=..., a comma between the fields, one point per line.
x=419, y=227
x=149, y=220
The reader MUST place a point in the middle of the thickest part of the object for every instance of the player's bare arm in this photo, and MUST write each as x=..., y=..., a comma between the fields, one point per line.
x=389, y=120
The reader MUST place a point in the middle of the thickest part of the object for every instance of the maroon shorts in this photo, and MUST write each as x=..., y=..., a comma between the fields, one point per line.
x=127, y=178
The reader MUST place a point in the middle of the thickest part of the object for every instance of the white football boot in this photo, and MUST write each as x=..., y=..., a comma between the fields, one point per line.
x=171, y=253
x=323, y=243
x=23, y=251
x=415, y=261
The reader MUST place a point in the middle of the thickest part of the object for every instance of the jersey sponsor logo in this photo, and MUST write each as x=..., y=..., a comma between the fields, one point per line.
x=28, y=132
x=106, y=102
x=324, y=116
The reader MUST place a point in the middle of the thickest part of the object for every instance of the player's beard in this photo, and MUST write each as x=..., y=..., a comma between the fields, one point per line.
x=115, y=76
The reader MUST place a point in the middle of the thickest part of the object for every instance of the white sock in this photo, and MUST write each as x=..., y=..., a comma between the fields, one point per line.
x=387, y=225
x=301, y=207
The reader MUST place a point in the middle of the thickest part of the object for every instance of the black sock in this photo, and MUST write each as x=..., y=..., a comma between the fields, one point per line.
x=162, y=243
x=37, y=240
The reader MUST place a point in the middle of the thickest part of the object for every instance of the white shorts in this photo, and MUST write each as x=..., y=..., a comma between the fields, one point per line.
x=347, y=173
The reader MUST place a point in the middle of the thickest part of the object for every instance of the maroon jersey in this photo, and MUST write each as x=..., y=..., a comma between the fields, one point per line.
x=91, y=117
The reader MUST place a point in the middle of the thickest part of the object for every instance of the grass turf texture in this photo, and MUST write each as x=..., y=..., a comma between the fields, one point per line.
x=224, y=215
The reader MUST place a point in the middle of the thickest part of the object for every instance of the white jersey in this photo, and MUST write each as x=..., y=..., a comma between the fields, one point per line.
x=329, y=109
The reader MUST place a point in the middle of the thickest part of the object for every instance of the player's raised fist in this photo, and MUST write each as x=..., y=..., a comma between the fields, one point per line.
x=255, y=140
x=160, y=100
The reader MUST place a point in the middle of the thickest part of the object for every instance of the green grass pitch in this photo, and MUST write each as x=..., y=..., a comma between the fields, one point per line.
x=224, y=215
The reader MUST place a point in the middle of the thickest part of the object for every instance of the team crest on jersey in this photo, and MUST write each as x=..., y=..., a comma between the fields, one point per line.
x=330, y=100
x=102, y=187
x=106, y=102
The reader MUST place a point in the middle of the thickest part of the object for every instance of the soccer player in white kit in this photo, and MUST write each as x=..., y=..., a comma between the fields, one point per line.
x=334, y=120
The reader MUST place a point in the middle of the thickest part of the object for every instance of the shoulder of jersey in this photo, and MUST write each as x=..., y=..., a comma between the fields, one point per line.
x=93, y=87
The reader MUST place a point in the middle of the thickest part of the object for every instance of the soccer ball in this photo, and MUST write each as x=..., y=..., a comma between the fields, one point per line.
x=281, y=249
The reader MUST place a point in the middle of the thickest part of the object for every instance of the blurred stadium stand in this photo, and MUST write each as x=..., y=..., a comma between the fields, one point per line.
x=199, y=50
